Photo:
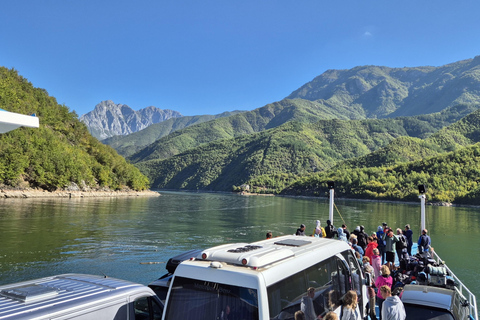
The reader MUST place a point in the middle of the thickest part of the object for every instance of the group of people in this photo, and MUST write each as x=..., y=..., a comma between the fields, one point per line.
x=376, y=254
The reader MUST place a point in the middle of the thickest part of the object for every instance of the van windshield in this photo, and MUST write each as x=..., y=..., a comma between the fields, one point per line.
x=192, y=299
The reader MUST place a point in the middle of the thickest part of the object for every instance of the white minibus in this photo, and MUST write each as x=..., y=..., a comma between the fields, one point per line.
x=79, y=297
x=265, y=280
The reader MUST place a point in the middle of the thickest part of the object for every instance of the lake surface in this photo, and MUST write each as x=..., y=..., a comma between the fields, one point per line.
x=119, y=236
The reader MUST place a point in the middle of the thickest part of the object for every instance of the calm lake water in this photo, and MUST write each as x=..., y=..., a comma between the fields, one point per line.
x=117, y=236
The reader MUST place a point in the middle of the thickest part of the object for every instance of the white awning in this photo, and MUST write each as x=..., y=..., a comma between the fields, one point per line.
x=10, y=121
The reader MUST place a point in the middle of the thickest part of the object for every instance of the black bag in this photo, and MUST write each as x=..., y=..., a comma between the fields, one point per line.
x=402, y=244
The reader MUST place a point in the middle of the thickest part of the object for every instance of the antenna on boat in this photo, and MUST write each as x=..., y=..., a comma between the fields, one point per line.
x=331, y=187
x=422, y=190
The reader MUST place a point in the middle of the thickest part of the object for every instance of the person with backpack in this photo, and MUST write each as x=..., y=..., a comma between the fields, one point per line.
x=362, y=238
x=401, y=248
x=330, y=229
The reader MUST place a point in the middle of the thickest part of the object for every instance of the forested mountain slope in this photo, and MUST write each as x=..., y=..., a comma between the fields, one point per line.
x=379, y=92
x=61, y=152
x=267, y=117
x=295, y=148
x=126, y=145
x=392, y=172
x=358, y=93
x=450, y=177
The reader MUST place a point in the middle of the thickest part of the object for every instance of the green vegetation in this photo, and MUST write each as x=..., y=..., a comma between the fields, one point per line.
x=59, y=153
x=451, y=177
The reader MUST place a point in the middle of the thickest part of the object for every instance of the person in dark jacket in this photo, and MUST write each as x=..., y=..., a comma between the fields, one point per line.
x=402, y=251
x=330, y=229
x=301, y=230
x=424, y=242
x=381, y=243
x=409, y=235
x=362, y=238
x=345, y=230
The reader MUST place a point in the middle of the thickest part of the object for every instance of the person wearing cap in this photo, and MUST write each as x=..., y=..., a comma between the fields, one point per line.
x=301, y=230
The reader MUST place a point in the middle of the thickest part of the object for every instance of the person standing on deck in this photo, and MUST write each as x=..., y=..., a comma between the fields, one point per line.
x=392, y=308
x=301, y=230
x=424, y=242
x=319, y=231
x=362, y=238
x=371, y=244
x=409, y=235
x=381, y=243
x=330, y=229
x=402, y=249
x=345, y=230
x=390, y=240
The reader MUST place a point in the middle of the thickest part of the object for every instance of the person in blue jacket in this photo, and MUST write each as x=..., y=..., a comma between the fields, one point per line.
x=408, y=233
x=424, y=242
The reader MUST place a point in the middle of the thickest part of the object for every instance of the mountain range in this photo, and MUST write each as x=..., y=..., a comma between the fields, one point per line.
x=109, y=119
x=375, y=130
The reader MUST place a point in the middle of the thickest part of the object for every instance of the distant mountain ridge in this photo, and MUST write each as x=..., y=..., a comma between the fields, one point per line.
x=381, y=92
x=109, y=119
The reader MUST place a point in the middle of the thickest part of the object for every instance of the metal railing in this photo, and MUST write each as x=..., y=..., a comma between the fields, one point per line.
x=461, y=289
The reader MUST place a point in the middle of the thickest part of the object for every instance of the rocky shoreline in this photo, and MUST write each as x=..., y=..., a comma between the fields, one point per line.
x=74, y=194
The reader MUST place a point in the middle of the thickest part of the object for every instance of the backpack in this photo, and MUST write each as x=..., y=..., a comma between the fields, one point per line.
x=402, y=243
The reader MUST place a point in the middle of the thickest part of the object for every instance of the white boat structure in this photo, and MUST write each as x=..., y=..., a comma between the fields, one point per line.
x=11, y=120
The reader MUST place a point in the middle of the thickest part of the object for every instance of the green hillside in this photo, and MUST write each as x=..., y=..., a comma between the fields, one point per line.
x=388, y=173
x=294, y=148
x=132, y=143
x=451, y=177
x=391, y=92
x=264, y=118
x=59, y=153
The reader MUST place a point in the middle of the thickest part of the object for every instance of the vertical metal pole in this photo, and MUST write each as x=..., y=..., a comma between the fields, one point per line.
x=422, y=206
x=330, y=211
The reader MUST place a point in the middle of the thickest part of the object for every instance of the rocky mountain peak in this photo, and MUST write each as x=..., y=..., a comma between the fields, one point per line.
x=108, y=119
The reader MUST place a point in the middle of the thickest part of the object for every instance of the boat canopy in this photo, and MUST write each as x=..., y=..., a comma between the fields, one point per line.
x=11, y=120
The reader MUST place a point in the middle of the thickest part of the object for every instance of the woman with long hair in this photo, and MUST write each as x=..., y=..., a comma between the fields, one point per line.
x=350, y=311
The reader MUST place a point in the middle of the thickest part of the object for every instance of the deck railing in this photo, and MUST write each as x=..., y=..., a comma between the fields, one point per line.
x=462, y=289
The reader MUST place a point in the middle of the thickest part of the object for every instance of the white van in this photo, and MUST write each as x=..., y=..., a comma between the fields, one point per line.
x=265, y=280
x=79, y=297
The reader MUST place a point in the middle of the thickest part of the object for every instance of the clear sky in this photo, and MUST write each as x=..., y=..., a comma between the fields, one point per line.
x=210, y=56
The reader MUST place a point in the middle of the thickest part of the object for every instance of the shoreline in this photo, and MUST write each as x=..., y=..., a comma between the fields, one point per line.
x=23, y=194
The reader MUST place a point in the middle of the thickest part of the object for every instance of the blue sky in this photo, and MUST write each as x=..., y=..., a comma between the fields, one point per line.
x=210, y=56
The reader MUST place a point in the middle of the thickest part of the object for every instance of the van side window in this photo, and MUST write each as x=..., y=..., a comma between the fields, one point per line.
x=147, y=308
x=355, y=271
x=341, y=282
x=329, y=278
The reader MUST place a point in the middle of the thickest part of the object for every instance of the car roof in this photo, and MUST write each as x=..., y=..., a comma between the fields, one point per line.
x=430, y=296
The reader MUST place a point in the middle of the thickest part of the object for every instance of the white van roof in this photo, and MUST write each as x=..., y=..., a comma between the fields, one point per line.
x=272, y=258
x=48, y=296
x=266, y=253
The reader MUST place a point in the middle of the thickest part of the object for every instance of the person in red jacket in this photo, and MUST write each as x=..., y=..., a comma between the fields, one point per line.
x=371, y=244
